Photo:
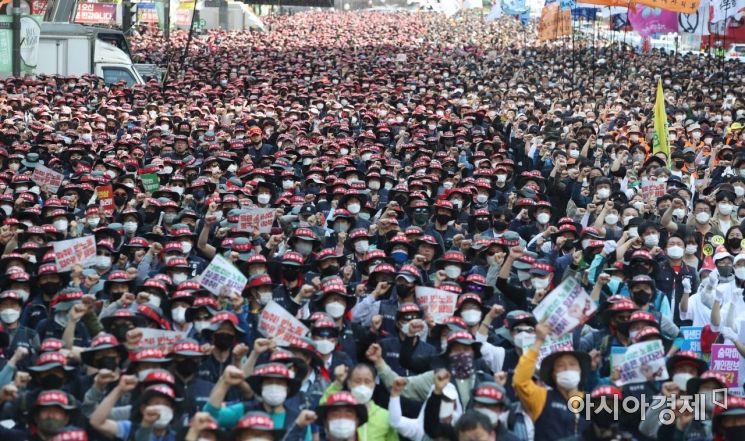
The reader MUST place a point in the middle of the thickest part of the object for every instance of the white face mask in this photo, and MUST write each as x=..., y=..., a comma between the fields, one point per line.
x=178, y=315
x=342, y=428
x=524, y=340
x=61, y=225
x=501, y=178
x=324, y=346
x=335, y=309
x=286, y=185
x=675, y=251
x=651, y=240
x=523, y=275
x=9, y=315
x=93, y=221
x=178, y=190
x=186, y=247
x=263, y=198
x=353, y=208
x=274, y=394
x=452, y=271
x=611, y=219
x=543, y=218
x=568, y=380
x=691, y=249
x=362, y=393
x=199, y=325
x=604, y=193
x=482, y=198
x=265, y=297
x=539, y=283
x=103, y=261
x=471, y=316
x=739, y=273
x=679, y=213
x=702, y=217
x=304, y=248
x=166, y=415
x=130, y=227
x=725, y=209
x=361, y=246
x=627, y=219
x=154, y=300
x=179, y=278
x=681, y=380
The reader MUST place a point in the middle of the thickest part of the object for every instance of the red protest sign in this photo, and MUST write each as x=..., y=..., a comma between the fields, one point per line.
x=105, y=196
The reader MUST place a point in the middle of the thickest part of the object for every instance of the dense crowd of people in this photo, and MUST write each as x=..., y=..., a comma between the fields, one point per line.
x=401, y=154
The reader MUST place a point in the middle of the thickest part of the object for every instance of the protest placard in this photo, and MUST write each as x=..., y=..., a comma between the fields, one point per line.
x=566, y=307
x=79, y=251
x=691, y=338
x=401, y=58
x=257, y=218
x=616, y=356
x=651, y=190
x=554, y=344
x=222, y=278
x=46, y=177
x=726, y=359
x=276, y=322
x=642, y=362
x=160, y=339
x=150, y=182
x=105, y=196
x=440, y=304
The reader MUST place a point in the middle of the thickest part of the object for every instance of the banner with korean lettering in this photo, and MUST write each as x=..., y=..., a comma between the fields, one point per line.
x=79, y=251
x=726, y=359
x=147, y=13
x=566, y=307
x=554, y=23
x=96, y=13
x=686, y=6
x=722, y=9
x=160, y=339
x=105, y=197
x=46, y=177
x=642, y=362
x=222, y=278
x=438, y=303
x=257, y=218
x=691, y=338
x=183, y=13
x=650, y=20
x=276, y=322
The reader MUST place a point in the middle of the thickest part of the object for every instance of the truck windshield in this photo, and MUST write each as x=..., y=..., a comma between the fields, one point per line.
x=112, y=75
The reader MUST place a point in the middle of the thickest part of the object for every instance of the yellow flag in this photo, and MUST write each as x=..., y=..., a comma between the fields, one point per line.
x=660, y=143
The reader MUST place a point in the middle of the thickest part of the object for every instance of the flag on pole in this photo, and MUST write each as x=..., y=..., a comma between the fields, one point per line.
x=660, y=143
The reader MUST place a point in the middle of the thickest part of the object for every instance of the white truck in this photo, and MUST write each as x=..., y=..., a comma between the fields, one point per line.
x=71, y=49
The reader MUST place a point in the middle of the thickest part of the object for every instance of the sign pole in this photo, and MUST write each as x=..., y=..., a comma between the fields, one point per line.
x=167, y=20
x=16, y=38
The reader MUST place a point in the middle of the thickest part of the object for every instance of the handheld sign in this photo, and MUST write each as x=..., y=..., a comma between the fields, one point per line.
x=79, y=251
x=439, y=303
x=222, y=278
x=279, y=324
x=566, y=307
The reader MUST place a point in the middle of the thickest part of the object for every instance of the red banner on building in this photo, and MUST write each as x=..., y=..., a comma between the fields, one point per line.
x=96, y=13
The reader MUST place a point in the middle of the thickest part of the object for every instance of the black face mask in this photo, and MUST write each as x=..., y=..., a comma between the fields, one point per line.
x=568, y=246
x=150, y=216
x=500, y=225
x=641, y=298
x=403, y=290
x=483, y=225
x=120, y=200
x=223, y=341
x=109, y=363
x=120, y=332
x=330, y=271
x=187, y=368
x=51, y=382
x=603, y=419
x=734, y=433
x=50, y=288
x=725, y=271
x=636, y=270
x=290, y=273
x=443, y=218
x=420, y=218
x=734, y=243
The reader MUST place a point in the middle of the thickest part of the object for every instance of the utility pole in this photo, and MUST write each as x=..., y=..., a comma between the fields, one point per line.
x=16, y=38
x=167, y=19
x=126, y=15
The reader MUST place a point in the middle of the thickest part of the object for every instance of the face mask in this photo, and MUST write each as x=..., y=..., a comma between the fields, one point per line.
x=725, y=209
x=641, y=298
x=166, y=415
x=681, y=380
x=524, y=340
x=353, y=208
x=691, y=249
x=335, y=309
x=187, y=367
x=739, y=273
x=523, y=275
x=50, y=425
x=263, y=198
x=492, y=415
x=130, y=227
x=539, y=283
x=61, y=225
x=362, y=393
x=200, y=325
x=361, y=246
x=169, y=218
x=109, y=363
x=675, y=252
x=304, y=248
x=482, y=198
x=543, y=218
x=447, y=408
x=702, y=217
x=611, y=219
x=325, y=347
x=342, y=428
x=471, y=316
x=273, y=394
x=679, y=213
x=186, y=247
x=179, y=278
x=604, y=193
x=373, y=185
x=452, y=271
x=178, y=314
x=223, y=341
x=178, y=190
x=725, y=272
x=651, y=240
x=461, y=365
x=10, y=315
x=568, y=380
x=265, y=297
x=501, y=178
x=447, y=185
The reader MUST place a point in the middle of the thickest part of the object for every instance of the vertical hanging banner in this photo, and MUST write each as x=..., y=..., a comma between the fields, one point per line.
x=554, y=23
x=147, y=13
x=722, y=9
x=183, y=13
x=695, y=22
